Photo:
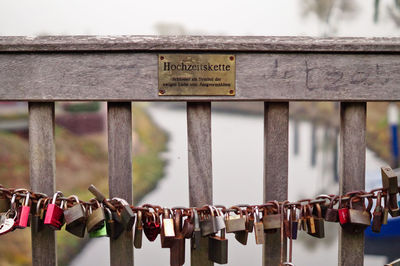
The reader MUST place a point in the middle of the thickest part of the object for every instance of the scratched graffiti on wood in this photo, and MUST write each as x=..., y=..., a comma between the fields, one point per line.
x=320, y=75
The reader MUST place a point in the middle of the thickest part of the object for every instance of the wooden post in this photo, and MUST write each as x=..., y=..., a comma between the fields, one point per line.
x=200, y=167
x=276, y=131
x=120, y=173
x=42, y=174
x=352, y=173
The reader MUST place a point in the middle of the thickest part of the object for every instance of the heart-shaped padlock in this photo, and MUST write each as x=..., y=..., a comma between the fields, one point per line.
x=151, y=228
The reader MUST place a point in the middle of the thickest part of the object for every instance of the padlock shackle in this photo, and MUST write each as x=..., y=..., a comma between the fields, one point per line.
x=53, y=201
x=38, y=205
x=26, y=200
x=256, y=214
x=319, y=210
x=196, y=218
x=123, y=202
x=74, y=197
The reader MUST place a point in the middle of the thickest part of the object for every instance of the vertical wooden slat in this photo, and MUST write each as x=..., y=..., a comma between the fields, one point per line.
x=42, y=174
x=276, y=131
x=120, y=173
x=352, y=173
x=200, y=167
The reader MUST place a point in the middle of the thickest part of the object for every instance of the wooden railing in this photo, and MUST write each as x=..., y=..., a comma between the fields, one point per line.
x=274, y=70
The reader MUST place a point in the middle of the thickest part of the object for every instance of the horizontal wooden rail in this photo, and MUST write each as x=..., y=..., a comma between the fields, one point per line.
x=128, y=76
x=195, y=43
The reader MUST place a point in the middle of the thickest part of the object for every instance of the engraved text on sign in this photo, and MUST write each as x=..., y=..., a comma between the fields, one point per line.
x=196, y=74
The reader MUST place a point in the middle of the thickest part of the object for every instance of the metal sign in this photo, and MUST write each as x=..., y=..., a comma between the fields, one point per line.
x=196, y=74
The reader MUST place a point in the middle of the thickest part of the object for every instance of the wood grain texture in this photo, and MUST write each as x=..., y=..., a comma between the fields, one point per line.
x=42, y=175
x=120, y=173
x=352, y=174
x=200, y=167
x=123, y=76
x=198, y=43
x=276, y=143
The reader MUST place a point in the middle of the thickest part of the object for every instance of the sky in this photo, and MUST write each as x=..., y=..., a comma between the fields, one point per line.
x=208, y=17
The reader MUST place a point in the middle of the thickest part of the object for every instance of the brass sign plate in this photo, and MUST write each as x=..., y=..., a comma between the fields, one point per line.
x=196, y=74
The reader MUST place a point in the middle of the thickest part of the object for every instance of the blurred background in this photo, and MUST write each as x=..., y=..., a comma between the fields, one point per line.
x=159, y=129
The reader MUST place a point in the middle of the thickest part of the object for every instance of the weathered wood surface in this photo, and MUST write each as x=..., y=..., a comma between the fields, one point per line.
x=276, y=145
x=42, y=175
x=352, y=174
x=200, y=167
x=120, y=173
x=122, y=76
x=199, y=43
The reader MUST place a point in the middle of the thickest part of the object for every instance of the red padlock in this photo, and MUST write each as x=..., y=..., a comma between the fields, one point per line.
x=344, y=217
x=54, y=215
x=23, y=213
x=151, y=227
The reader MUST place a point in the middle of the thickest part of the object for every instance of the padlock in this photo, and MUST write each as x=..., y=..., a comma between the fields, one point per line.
x=249, y=220
x=95, y=218
x=188, y=225
x=258, y=228
x=196, y=231
x=360, y=219
x=242, y=236
x=343, y=213
x=54, y=214
x=324, y=205
x=285, y=224
x=167, y=229
x=152, y=227
x=177, y=248
x=272, y=219
x=75, y=218
x=113, y=223
x=394, y=209
x=302, y=219
x=319, y=223
x=294, y=222
x=37, y=218
x=7, y=220
x=23, y=213
x=390, y=184
x=99, y=232
x=235, y=224
x=127, y=215
x=309, y=219
x=385, y=210
x=389, y=180
x=219, y=220
x=207, y=224
x=218, y=248
x=332, y=214
x=377, y=215
x=137, y=239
